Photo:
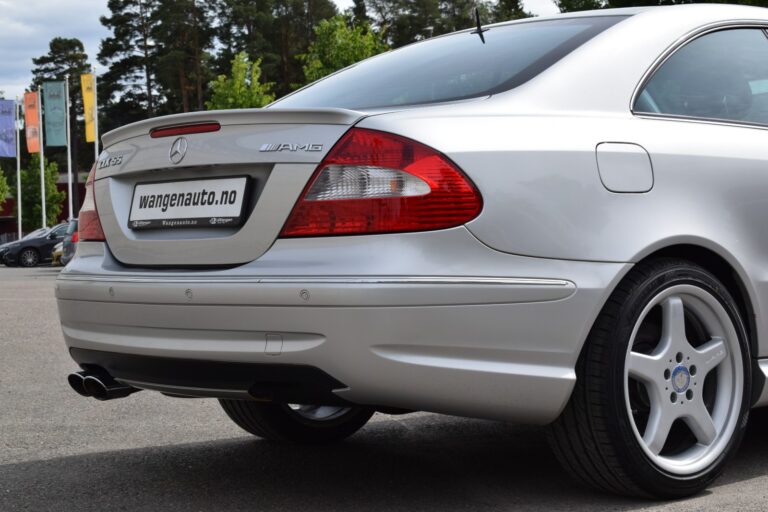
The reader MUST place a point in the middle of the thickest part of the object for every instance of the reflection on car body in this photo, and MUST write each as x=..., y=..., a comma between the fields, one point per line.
x=560, y=225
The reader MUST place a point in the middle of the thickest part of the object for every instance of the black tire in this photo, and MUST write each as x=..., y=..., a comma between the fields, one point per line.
x=594, y=438
x=29, y=258
x=278, y=422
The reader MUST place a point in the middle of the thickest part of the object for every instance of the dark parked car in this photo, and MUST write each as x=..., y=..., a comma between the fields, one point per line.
x=70, y=242
x=34, y=234
x=33, y=250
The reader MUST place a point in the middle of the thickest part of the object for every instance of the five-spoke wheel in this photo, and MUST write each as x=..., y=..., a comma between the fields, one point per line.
x=684, y=379
x=662, y=392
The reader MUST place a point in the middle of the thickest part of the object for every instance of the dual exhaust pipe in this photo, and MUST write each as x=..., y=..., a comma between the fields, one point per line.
x=99, y=385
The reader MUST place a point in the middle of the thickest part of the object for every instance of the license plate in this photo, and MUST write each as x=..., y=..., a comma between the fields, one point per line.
x=188, y=204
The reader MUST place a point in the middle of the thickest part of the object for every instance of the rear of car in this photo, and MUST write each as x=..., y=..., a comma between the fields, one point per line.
x=460, y=226
x=295, y=255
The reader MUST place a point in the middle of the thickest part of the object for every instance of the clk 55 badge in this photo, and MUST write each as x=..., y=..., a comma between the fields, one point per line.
x=110, y=161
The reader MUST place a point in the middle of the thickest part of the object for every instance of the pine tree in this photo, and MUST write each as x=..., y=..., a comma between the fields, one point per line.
x=578, y=5
x=505, y=10
x=359, y=12
x=183, y=33
x=292, y=33
x=66, y=56
x=244, y=26
x=128, y=90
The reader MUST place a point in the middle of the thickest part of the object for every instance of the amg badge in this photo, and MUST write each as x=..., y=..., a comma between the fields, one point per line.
x=291, y=147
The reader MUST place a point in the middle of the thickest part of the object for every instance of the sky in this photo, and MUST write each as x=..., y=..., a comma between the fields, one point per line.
x=26, y=27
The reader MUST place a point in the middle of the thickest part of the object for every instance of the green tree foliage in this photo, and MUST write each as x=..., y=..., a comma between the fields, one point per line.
x=505, y=10
x=243, y=88
x=30, y=194
x=163, y=55
x=292, y=33
x=245, y=26
x=128, y=89
x=4, y=189
x=183, y=33
x=405, y=21
x=359, y=12
x=66, y=56
x=415, y=20
x=338, y=45
x=579, y=5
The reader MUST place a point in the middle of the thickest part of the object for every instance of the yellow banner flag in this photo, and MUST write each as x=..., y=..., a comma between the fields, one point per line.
x=89, y=105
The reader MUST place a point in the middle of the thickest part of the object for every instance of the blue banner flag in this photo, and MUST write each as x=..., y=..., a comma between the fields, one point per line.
x=54, y=114
x=7, y=129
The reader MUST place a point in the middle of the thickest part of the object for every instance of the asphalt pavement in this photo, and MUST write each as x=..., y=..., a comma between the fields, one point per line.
x=148, y=452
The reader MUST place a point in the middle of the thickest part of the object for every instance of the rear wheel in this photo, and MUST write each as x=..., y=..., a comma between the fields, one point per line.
x=662, y=394
x=297, y=423
x=29, y=258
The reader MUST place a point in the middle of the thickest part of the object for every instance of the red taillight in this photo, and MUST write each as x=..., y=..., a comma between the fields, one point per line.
x=88, y=223
x=186, y=129
x=75, y=237
x=377, y=182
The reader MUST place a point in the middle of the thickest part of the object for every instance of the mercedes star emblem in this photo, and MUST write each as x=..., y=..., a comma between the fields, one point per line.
x=178, y=150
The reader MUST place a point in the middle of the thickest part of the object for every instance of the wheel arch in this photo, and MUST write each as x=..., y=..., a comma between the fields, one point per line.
x=725, y=268
x=723, y=265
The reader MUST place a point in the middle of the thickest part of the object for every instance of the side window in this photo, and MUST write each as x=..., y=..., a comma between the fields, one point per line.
x=720, y=76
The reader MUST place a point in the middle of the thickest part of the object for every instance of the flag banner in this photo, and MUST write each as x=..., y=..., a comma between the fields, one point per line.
x=89, y=105
x=31, y=122
x=7, y=128
x=55, y=115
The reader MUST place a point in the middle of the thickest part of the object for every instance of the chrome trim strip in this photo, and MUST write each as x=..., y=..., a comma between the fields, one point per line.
x=407, y=280
x=699, y=120
x=677, y=45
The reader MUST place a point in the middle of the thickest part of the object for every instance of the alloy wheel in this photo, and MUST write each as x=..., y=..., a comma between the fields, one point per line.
x=28, y=258
x=684, y=379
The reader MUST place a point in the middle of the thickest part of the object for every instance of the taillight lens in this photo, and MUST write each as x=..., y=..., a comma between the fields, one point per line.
x=88, y=223
x=377, y=182
x=75, y=237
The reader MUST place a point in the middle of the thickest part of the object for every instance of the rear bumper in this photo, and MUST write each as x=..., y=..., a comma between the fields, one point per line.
x=193, y=377
x=484, y=345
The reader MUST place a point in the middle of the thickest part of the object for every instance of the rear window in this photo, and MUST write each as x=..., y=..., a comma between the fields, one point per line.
x=453, y=67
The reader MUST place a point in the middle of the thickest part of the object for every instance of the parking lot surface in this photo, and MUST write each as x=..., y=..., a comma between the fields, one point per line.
x=59, y=451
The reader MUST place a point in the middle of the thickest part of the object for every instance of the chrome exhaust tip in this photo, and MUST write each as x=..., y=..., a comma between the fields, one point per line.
x=105, y=387
x=77, y=382
x=97, y=383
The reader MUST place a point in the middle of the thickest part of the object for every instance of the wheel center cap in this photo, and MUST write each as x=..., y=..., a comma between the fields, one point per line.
x=681, y=379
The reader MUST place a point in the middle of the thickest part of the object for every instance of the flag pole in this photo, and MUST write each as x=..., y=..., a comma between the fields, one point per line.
x=42, y=152
x=69, y=148
x=95, y=119
x=17, y=126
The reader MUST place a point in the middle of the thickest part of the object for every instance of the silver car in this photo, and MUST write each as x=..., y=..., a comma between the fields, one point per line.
x=556, y=221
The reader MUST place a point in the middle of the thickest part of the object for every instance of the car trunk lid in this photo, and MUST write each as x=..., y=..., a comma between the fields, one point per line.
x=263, y=157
